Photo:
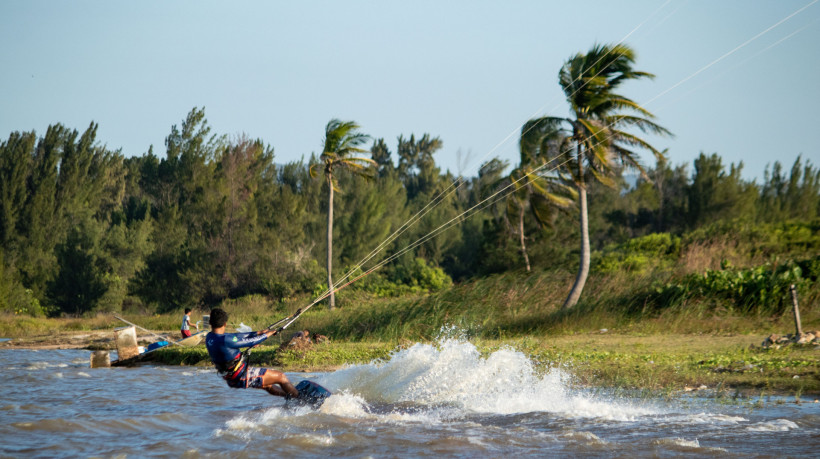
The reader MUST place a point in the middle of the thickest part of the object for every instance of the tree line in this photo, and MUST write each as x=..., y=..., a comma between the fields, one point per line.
x=85, y=229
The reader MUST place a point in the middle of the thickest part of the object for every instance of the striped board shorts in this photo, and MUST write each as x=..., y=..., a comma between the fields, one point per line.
x=253, y=377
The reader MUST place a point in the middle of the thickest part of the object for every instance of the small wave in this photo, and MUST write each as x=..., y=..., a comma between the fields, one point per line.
x=704, y=418
x=585, y=437
x=240, y=426
x=235, y=430
x=777, y=425
x=684, y=445
x=243, y=424
x=26, y=407
x=240, y=423
x=313, y=439
x=44, y=365
x=80, y=425
x=681, y=442
x=55, y=425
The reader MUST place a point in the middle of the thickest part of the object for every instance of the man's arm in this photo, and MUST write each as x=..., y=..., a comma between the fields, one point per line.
x=240, y=340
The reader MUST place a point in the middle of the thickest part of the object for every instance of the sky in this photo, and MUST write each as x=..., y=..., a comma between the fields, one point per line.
x=734, y=77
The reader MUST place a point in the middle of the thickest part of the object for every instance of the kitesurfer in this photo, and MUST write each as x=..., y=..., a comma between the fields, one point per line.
x=232, y=365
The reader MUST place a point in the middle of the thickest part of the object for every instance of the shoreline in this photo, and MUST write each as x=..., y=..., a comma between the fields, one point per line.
x=87, y=339
x=729, y=365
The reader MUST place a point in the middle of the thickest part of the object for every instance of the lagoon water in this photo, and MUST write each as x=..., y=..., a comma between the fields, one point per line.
x=442, y=401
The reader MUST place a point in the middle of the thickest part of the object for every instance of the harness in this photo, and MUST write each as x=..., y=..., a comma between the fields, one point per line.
x=245, y=358
x=236, y=368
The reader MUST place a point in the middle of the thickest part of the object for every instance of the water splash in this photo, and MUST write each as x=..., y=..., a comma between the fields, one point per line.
x=454, y=374
x=346, y=404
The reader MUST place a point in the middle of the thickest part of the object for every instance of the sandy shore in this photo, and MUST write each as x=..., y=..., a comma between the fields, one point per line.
x=95, y=340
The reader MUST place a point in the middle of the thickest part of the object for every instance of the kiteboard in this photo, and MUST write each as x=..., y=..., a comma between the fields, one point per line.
x=310, y=393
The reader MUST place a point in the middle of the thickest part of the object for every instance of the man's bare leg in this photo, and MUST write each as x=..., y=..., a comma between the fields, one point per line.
x=276, y=383
x=273, y=389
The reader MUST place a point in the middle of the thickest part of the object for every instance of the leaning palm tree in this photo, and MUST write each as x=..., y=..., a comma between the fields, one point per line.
x=592, y=144
x=342, y=141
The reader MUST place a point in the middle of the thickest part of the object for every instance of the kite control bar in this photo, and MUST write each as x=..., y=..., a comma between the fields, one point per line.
x=287, y=321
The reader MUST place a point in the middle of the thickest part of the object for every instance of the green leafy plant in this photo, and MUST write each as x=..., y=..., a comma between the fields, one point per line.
x=762, y=289
x=638, y=255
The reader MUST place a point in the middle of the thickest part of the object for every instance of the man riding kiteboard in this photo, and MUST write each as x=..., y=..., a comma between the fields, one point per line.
x=232, y=365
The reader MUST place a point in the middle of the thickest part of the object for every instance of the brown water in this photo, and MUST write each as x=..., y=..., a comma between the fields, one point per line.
x=440, y=400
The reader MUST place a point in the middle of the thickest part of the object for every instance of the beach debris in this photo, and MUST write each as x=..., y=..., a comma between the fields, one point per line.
x=775, y=341
x=691, y=388
x=300, y=340
x=100, y=359
x=126, y=339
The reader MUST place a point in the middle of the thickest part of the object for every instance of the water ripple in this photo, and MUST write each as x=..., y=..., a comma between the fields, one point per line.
x=426, y=400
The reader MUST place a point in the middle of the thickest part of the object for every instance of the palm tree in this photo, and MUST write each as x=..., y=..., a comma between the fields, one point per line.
x=342, y=141
x=540, y=194
x=592, y=144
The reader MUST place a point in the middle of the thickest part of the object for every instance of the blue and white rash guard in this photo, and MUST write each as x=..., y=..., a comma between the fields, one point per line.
x=225, y=348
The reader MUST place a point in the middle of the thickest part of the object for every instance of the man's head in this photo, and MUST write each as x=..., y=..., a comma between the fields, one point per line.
x=218, y=318
x=187, y=311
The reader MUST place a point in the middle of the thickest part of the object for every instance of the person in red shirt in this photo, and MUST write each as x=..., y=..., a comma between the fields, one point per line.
x=186, y=324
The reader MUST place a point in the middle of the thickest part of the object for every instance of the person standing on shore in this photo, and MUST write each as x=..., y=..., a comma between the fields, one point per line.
x=186, y=324
x=232, y=365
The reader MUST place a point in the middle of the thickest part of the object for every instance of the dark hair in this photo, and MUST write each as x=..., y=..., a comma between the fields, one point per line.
x=187, y=310
x=218, y=318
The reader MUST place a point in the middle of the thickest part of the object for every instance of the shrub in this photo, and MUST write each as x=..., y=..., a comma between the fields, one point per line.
x=788, y=239
x=639, y=255
x=762, y=289
x=416, y=278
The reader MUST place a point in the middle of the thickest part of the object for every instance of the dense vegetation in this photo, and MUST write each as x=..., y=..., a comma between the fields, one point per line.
x=85, y=229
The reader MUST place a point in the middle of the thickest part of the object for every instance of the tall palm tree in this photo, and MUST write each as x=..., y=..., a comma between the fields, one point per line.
x=592, y=144
x=342, y=141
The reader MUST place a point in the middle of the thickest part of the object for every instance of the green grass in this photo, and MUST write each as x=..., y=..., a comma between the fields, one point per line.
x=674, y=362
x=692, y=343
x=518, y=304
x=321, y=357
x=504, y=306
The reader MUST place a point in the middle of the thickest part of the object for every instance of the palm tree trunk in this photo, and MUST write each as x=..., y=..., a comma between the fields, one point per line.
x=332, y=297
x=521, y=237
x=583, y=269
